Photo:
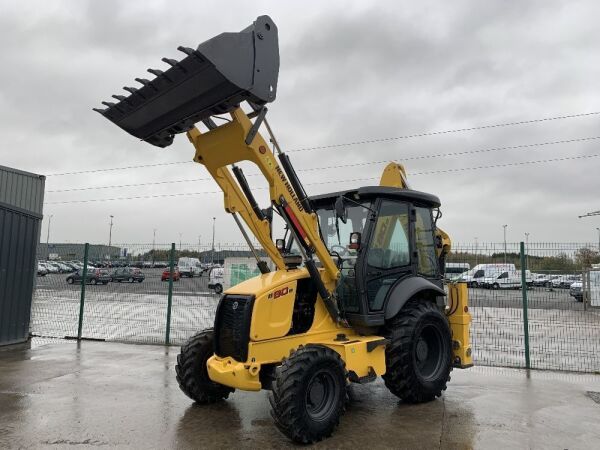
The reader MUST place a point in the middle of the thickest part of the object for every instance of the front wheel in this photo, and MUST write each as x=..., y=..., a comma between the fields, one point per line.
x=192, y=373
x=309, y=394
x=218, y=289
x=94, y=281
x=419, y=356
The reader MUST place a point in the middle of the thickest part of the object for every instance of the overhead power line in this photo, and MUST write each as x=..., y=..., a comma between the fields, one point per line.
x=408, y=158
x=346, y=144
x=590, y=214
x=455, y=130
x=430, y=172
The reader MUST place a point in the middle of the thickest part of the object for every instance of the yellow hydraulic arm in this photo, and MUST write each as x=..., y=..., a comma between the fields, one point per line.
x=239, y=140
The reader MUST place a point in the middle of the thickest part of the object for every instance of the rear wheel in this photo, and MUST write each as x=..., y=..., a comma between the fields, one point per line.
x=93, y=281
x=218, y=288
x=309, y=394
x=70, y=280
x=130, y=279
x=192, y=373
x=495, y=286
x=419, y=356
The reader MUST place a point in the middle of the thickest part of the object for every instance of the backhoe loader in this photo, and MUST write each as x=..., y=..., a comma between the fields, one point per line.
x=357, y=289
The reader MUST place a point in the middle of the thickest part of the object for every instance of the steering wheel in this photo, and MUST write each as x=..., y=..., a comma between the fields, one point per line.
x=339, y=249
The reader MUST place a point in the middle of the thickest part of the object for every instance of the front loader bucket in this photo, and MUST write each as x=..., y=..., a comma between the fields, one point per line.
x=213, y=79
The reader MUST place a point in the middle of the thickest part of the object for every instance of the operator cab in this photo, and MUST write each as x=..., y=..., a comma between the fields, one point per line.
x=380, y=237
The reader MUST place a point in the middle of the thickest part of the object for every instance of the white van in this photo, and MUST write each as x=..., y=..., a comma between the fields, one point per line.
x=452, y=271
x=510, y=279
x=234, y=271
x=475, y=276
x=189, y=267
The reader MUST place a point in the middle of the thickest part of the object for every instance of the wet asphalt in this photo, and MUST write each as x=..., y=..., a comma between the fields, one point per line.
x=112, y=395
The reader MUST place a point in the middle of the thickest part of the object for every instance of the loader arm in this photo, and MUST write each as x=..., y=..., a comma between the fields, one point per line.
x=226, y=145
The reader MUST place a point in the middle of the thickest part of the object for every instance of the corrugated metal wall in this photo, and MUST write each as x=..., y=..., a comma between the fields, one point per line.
x=22, y=189
x=21, y=203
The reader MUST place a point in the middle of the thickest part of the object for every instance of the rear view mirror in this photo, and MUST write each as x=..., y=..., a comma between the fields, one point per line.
x=340, y=209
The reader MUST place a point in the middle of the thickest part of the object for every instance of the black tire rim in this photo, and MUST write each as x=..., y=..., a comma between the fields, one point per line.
x=429, y=352
x=321, y=396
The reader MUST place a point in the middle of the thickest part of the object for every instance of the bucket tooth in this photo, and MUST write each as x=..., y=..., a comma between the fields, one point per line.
x=171, y=62
x=155, y=72
x=109, y=104
x=132, y=90
x=188, y=51
x=100, y=110
x=119, y=97
x=143, y=81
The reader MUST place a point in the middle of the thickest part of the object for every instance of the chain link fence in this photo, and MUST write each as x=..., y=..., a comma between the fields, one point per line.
x=537, y=291
x=165, y=293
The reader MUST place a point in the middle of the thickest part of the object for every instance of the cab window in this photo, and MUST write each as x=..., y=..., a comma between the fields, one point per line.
x=427, y=263
x=390, y=244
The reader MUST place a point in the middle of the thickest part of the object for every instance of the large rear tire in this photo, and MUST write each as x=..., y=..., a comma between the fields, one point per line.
x=309, y=394
x=192, y=374
x=419, y=356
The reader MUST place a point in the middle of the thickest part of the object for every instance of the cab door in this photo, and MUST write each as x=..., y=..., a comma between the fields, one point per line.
x=388, y=257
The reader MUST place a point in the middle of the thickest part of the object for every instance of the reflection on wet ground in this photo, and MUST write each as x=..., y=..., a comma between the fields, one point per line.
x=125, y=396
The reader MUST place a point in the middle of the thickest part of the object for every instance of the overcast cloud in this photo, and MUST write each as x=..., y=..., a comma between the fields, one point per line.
x=350, y=71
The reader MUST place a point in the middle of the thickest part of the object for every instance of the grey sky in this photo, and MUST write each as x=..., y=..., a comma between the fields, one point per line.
x=349, y=71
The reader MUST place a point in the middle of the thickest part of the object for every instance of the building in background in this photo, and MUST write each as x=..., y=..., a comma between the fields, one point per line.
x=21, y=205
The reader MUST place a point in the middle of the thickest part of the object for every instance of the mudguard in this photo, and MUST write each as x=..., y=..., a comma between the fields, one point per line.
x=407, y=289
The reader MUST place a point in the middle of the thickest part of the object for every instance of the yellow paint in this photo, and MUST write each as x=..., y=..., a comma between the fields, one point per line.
x=460, y=321
x=245, y=375
x=225, y=145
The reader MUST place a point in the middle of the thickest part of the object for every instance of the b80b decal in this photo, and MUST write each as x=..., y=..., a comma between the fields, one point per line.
x=280, y=293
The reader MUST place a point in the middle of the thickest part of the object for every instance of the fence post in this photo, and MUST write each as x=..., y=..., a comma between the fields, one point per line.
x=524, y=290
x=83, y=280
x=170, y=294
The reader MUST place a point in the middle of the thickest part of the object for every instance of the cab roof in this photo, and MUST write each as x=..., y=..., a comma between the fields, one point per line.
x=371, y=192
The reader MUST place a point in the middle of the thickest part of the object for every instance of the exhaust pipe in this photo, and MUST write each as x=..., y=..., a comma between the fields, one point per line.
x=212, y=79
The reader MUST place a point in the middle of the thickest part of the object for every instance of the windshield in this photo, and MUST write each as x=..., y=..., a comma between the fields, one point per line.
x=357, y=217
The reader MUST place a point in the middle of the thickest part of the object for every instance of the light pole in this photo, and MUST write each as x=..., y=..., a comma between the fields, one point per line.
x=527, y=248
x=153, y=245
x=180, y=234
x=504, y=226
x=598, y=238
x=212, y=252
x=199, y=245
x=476, y=250
x=110, y=235
x=48, y=236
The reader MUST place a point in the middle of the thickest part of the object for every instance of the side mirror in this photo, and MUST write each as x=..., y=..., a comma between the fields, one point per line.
x=340, y=209
x=354, y=240
x=280, y=244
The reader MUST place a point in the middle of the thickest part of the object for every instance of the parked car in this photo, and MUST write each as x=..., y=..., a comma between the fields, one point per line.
x=131, y=274
x=52, y=267
x=93, y=276
x=216, y=279
x=564, y=281
x=166, y=274
x=41, y=270
x=576, y=290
